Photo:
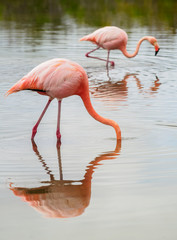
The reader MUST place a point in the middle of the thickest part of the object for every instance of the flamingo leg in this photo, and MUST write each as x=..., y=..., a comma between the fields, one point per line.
x=58, y=122
x=107, y=68
x=48, y=171
x=106, y=60
x=59, y=162
x=34, y=131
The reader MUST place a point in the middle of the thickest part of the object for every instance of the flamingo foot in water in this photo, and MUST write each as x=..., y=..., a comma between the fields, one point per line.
x=112, y=63
x=58, y=145
x=58, y=138
x=58, y=134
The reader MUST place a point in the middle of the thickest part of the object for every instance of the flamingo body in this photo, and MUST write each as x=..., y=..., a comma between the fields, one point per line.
x=56, y=78
x=60, y=78
x=111, y=38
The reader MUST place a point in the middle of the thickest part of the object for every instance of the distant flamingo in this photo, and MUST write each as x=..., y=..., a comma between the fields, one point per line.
x=111, y=38
x=60, y=78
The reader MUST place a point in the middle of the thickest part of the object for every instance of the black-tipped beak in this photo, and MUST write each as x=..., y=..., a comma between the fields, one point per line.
x=157, y=52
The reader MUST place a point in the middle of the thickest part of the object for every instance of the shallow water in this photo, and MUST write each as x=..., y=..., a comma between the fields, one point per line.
x=90, y=188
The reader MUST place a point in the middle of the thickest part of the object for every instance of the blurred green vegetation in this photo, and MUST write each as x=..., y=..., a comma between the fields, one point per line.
x=158, y=13
x=123, y=12
x=32, y=12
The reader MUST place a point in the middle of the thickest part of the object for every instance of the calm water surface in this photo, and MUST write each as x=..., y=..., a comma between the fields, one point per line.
x=90, y=188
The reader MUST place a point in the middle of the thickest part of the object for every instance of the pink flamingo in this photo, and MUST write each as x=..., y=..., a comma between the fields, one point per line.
x=111, y=38
x=60, y=78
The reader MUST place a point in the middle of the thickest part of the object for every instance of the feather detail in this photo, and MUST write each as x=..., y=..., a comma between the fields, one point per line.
x=25, y=83
x=88, y=38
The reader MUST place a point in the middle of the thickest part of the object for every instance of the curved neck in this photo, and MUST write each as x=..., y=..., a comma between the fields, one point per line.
x=92, y=166
x=86, y=100
x=129, y=55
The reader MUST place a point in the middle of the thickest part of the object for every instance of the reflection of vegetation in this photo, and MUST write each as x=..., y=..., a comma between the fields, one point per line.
x=35, y=12
x=123, y=12
x=93, y=12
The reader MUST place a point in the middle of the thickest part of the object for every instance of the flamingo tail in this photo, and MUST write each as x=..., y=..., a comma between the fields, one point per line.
x=85, y=38
x=88, y=38
x=25, y=84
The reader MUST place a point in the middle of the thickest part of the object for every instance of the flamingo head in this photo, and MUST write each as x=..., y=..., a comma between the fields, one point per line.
x=154, y=42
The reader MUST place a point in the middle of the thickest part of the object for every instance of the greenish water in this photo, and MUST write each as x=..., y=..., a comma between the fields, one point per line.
x=90, y=188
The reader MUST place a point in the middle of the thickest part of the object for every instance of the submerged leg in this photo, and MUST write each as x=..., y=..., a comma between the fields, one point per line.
x=48, y=171
x=58, y=122
x=59, y=162
x=106, y=60
x=107, y=68
x=34, y=131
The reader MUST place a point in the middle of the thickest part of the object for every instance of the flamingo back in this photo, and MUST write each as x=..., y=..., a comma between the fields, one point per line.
x=57, y=78
x=109, y=37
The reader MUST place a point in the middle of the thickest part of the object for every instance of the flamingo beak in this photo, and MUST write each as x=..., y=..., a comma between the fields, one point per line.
x=156, y=48
x=156, y=51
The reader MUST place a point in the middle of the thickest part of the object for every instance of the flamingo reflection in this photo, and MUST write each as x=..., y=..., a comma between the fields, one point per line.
x=118, y=91
x=62, y=198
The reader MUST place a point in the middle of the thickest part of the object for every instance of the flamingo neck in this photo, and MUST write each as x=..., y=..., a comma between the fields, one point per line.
x=93, y=164
x=88, y=105
x=129, y=55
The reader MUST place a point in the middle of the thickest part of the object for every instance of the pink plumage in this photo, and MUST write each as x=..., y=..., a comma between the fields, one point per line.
x=108, y=37
x=111, y=38
x=60, y=78
x=56, y=78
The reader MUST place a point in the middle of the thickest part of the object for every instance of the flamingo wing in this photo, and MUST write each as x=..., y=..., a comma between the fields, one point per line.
x=106, y=35
x=57, y=78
